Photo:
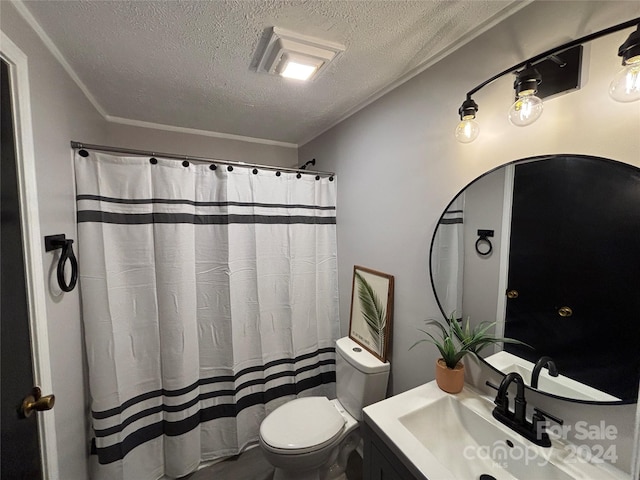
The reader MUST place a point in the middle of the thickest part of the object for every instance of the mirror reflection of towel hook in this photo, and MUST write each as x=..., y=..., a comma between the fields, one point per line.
x=483, y=240
x=54, y=242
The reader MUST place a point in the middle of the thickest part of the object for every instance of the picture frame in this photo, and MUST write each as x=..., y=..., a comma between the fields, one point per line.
x=371, y=310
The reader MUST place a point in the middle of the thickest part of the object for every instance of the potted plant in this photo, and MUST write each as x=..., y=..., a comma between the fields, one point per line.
x=454, y=342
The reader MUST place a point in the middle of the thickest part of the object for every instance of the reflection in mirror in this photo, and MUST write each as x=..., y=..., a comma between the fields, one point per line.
x=563, y=274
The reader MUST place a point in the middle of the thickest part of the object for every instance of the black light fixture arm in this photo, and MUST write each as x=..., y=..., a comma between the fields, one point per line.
x=554, y=51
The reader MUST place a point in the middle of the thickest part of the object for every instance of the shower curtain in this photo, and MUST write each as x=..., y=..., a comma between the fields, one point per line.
x=209, y=298
x=448, y=258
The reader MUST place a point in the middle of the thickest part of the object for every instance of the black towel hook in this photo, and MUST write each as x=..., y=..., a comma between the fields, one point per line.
x=483, y=238
x=53, y=242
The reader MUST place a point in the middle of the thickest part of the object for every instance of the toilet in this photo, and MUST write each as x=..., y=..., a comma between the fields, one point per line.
x=311, y=438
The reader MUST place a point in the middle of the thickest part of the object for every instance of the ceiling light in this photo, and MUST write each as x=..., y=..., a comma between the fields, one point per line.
x=527, y=108
x=299, y=71
x=625, y=86
x=297, y=66
x=296, y=56
x=468, y=129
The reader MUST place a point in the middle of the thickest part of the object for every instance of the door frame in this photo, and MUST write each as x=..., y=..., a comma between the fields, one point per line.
x=30, y=222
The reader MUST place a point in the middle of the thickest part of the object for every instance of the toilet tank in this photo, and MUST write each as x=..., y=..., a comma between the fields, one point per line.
x=361, y=378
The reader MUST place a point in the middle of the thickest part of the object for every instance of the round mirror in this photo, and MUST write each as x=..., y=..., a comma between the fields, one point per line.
x=550, y=248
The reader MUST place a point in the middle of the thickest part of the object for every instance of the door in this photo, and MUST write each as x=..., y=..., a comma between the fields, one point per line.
x=20, y=444
x=576, y=221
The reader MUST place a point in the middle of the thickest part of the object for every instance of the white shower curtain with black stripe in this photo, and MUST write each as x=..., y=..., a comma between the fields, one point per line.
x=447, y=258
x=209, y=298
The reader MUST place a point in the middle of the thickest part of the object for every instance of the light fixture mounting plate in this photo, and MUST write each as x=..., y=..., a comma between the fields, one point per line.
x=560, y=74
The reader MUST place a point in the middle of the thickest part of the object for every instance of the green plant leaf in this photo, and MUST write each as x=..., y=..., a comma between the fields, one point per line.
x=454, y=340
x=372, y=310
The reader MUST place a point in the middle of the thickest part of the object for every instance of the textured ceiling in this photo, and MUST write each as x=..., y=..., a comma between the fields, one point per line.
x=190, y=63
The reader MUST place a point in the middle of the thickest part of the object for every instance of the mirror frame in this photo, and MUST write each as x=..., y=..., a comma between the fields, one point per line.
x=433, y=285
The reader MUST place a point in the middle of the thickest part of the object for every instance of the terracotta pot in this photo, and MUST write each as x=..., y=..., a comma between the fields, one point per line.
x=451, y=380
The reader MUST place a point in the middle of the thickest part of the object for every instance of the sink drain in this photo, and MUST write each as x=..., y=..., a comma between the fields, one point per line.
x=485, y=476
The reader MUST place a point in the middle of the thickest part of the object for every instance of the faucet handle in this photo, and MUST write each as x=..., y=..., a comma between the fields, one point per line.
x=541, y=415
x=489, y=384
x=539, y=426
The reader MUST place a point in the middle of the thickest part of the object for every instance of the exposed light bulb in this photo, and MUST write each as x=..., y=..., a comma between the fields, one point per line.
x=467, y=130
x=525, y=110
x=625, y=86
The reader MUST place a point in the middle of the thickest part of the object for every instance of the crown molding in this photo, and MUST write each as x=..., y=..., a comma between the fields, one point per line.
x=195, y=131
x=33, y=23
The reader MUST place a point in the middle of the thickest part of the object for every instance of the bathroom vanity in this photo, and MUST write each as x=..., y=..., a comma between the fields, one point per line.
x=380, y=462
x=426, y=433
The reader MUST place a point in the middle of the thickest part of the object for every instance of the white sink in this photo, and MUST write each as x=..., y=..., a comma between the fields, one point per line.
x=455, y=437
x=560, y=385
x=484, y=447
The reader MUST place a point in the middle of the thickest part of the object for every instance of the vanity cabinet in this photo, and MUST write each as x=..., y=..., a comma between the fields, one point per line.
x=379, y=462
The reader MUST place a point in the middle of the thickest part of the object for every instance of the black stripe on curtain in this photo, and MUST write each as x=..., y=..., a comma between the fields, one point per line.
x=148, y=432
x=204, y=396
x=164, y=201
x=97, y=216
x=118, y=451
x=450, y=221
x=451, y=217
x=222, y=378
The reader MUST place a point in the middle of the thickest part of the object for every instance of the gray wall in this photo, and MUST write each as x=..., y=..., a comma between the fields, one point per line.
x=398, y=164
x=483, y=208
x=142, y=138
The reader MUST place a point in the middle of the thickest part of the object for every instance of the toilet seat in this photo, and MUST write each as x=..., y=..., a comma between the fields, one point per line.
x=302, y=425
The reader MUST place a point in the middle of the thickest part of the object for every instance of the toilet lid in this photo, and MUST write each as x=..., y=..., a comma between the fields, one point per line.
x=302, y=423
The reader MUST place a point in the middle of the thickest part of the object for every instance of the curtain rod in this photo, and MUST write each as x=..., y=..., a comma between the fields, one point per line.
x=173, y=156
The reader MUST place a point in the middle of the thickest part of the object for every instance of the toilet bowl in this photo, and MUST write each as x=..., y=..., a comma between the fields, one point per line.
x=309, y=439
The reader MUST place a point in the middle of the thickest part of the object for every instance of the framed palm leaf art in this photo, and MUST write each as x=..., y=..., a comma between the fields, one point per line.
x=371, y=310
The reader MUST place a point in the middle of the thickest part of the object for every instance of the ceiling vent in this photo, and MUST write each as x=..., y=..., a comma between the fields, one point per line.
x=292, y=55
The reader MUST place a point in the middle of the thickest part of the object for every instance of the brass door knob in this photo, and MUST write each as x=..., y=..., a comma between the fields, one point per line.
x=35, y=401
x=512, y=294
x=565, y=311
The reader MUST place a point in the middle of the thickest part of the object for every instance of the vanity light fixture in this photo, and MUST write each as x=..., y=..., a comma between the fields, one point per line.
x=625, y=86
x=560, y=68
x=296, y=56
x=468, y=129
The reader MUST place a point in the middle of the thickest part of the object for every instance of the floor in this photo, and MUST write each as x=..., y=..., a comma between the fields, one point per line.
x=251, y=465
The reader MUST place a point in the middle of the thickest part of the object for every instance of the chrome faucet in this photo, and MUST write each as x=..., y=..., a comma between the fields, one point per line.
x=533, y=430
x=540, y=364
